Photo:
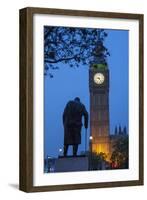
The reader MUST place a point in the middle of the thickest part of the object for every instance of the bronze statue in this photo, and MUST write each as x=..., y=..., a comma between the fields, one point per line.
x=72, y=121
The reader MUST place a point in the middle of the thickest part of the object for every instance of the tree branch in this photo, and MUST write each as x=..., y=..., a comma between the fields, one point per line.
x=59, y=60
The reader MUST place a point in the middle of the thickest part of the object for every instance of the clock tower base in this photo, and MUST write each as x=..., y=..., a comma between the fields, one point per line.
x=102, y=145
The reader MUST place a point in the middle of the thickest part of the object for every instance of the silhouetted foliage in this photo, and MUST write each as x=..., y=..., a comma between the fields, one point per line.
x=120, y=152
x=97, y=160
x=73, y=46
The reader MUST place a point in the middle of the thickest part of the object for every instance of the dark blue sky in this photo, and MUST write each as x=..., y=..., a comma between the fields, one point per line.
x=71, y=82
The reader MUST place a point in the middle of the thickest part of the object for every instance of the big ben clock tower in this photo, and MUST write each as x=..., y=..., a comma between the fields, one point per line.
x=99, y=108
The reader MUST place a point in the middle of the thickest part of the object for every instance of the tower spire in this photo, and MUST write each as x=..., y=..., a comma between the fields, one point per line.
x=119, y=130
x=116, y=131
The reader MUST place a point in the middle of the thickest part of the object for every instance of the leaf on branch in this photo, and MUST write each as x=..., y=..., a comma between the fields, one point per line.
x=51, y=76
x=46, y=67
x=105, y=34
x=51, y=54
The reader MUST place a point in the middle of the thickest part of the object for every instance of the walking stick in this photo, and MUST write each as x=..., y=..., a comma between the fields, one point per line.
x=85, y=140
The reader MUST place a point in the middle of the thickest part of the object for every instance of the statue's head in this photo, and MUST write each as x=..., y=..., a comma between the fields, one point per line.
x=77, y=99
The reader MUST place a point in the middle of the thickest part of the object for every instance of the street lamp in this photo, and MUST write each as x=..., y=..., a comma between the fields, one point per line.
x=90, y=138
x=90, y=143
x=90, y=152
x=60, y=152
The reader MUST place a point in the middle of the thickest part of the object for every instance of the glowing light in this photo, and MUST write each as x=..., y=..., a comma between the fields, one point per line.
x=90, y=137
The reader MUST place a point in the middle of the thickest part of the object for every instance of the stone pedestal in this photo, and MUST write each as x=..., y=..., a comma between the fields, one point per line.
x=71, y=164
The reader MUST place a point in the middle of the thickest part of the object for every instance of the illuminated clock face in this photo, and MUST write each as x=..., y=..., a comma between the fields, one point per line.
x=99, y=78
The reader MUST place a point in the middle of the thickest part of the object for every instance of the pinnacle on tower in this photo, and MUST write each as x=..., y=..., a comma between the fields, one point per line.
x=116, y=131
